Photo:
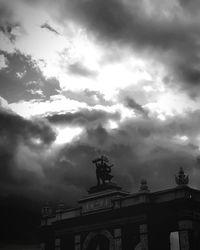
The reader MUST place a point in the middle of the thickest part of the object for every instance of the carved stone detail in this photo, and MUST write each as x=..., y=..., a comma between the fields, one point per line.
x=101, y=203
x=118, y=240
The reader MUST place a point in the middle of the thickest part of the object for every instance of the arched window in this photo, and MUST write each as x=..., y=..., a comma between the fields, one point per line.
x=101, y=240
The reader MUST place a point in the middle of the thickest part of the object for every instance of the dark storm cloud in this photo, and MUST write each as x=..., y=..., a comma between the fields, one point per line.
x=132, y=104
x=7, y=22
x=79, y=69
x=48, y=27
x=23, y=80
x=144, y=148
x=18, y=186
x=189, y=74
x=73, y=172
x=17, y=144
x=7, y=30
x=139, y=148
x=15, y=127
x=33, y=168
x=192, y=6
x=5, y=13
x=83, y=117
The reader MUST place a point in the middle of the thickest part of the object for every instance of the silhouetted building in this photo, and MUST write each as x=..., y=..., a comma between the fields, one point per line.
x=112, y=219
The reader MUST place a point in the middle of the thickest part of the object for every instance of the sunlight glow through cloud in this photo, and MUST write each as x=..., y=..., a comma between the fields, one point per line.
x=181, y=138
x=112, y=124
x=67, y=134
x=57, y=103
x=73, y=45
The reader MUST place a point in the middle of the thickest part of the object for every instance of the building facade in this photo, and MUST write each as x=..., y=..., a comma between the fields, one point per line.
x=109, y=218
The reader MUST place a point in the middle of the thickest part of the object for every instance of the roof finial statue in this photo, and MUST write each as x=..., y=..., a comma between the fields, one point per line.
x=46, y=210
x=103, y=170
x=143, y=186
x=181, y=178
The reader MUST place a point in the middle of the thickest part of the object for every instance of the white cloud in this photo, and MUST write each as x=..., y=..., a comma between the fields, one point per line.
x=3, y=102
x=170, y=103
x=54, y=53
x=36, y=92
x=67, y=134
x=2, y=62
x=57, y=103
x=5, y=43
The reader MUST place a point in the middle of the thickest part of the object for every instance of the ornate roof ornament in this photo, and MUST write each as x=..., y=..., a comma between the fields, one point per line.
x=144, y=187
x=181, y=178
x=46, y=210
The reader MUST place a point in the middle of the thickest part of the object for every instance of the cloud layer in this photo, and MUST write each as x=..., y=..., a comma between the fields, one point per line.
x=140, y=148
x=125, y=73
x=167, y=32
x=22, y=79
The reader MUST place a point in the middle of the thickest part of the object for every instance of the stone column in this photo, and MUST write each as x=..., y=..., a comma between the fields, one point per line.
x=144, y=237
x=118, y=239
x=185, y=230
x=57, y=244
x=77, y=242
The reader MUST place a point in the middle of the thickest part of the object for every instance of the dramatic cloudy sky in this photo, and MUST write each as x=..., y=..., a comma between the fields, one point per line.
x=80, y=78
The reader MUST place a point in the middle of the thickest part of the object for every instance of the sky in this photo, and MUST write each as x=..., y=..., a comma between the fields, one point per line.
x=81, y=78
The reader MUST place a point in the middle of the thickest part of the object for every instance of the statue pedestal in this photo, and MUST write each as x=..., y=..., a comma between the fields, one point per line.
x=104, y=187
x=101, y=197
